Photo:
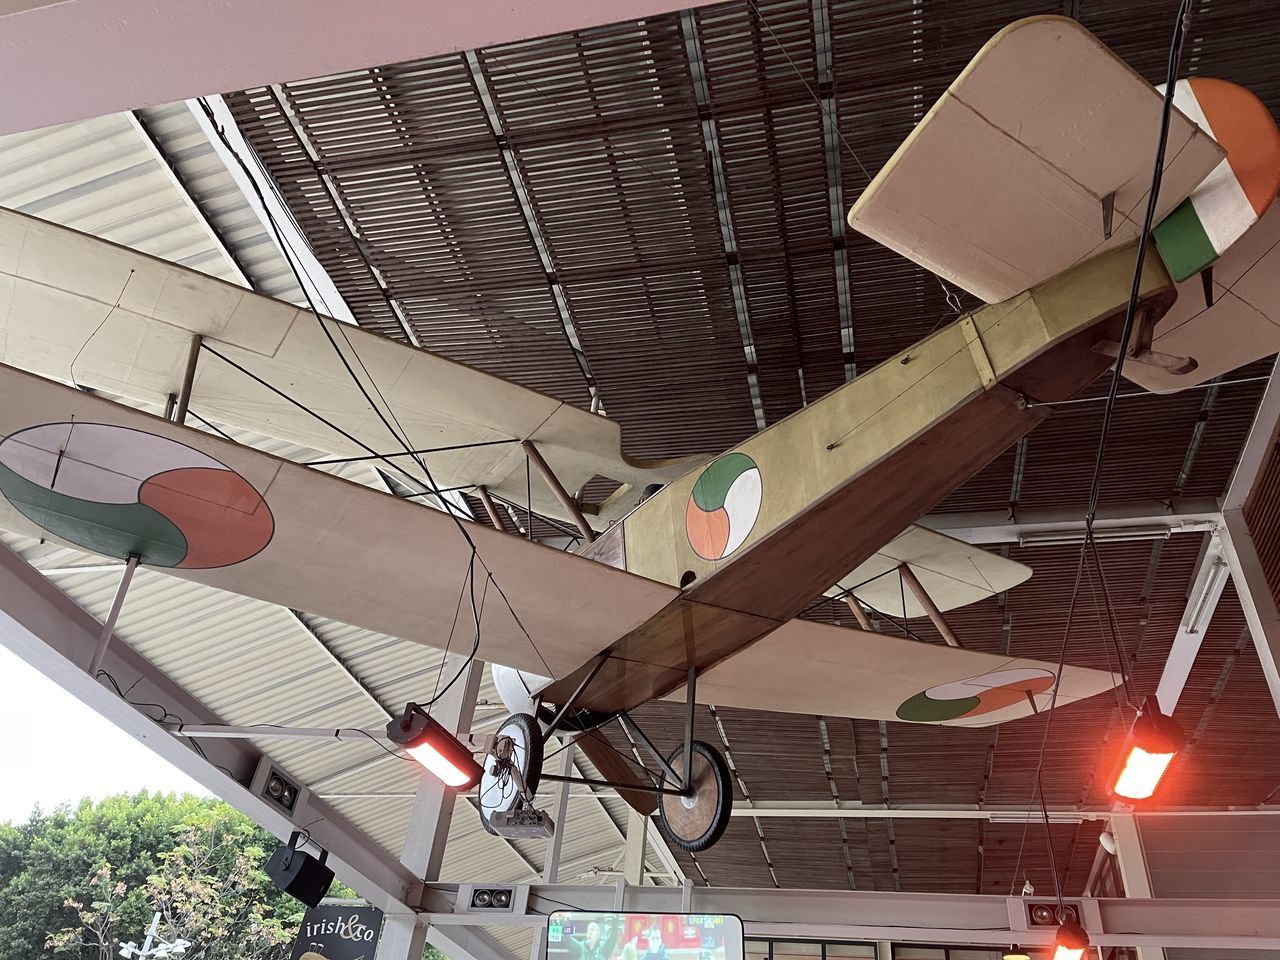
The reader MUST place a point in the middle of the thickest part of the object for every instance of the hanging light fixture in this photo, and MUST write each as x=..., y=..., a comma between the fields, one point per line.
x=1152, y=744
x=443, y=755
x=1071, y=941
x=1015, y=952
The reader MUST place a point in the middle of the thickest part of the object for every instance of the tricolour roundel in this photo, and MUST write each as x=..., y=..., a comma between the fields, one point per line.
x=122, y=492
x=723, y=506
x=975, y=696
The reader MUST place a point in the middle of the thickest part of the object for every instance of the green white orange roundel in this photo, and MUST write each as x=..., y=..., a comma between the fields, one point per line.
x=723, y=506
x=975, y=696
x=122, y=492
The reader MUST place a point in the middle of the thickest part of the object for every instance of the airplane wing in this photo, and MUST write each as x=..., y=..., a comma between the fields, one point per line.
x=1001, y=186
x=818, y=668
x=1242, y=324
x=954, y=573
x=93, y=474
x=126, y=321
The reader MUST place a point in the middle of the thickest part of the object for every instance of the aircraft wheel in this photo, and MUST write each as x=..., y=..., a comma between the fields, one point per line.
x=498, y=791
x=696, y=822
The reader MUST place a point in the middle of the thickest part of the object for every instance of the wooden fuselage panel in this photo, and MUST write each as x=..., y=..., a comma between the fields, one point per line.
x=843, y=476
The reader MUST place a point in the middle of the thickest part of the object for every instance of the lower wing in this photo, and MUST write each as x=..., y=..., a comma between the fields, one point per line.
x=818, y=668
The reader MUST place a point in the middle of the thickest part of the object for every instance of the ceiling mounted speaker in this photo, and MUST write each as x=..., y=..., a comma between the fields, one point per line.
x=299, y=874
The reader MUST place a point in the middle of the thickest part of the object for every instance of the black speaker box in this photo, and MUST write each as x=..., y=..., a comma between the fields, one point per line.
x=299, y=874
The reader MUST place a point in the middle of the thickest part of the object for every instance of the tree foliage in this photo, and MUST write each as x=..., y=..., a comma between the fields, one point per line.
x=75, y=883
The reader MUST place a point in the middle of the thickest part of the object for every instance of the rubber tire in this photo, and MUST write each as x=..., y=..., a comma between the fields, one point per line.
x=725, y=785
x=533, y=737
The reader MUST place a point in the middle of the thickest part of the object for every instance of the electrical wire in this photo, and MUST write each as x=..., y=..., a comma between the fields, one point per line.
x=101, y=324
x=1146, y=393
x=324, y=327
x=949, y=295
x=1181, y=26
x=165, y=716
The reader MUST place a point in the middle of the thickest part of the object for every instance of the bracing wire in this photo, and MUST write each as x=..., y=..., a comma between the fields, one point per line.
x=1089, y=546
x=355, y=378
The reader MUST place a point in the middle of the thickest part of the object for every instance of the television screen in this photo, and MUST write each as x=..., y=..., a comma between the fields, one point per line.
x=643, y=936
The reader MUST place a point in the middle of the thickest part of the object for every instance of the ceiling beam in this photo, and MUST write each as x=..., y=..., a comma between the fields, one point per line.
x=959, y=919
x=1202, y=600
x=1261, y=609
x=1134, y=520
x=116, y=55
x=48, y=630
x=846, y=809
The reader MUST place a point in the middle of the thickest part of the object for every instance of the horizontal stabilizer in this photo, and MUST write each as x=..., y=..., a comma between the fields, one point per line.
x=1000, y=186
x=952, y=572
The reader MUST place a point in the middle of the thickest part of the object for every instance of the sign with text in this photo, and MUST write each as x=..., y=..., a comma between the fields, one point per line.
x=334, y=932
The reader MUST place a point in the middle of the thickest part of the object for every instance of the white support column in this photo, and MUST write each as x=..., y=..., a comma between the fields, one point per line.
x=1133, y=868
x=1202, y=601
x=551, y=864
x=1261, y=611
x=633, y=860
x=48, y=630
x=404, y=936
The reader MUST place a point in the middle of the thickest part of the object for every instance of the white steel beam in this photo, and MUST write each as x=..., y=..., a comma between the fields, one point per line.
x=633, y=858
x=48, y=630
x=404, y=936
x=1261, y=610
x=845, y=809
x=1202, y=601
x=462, y=943
x=958, y=919
x=1133, y=868
x=1139, y=519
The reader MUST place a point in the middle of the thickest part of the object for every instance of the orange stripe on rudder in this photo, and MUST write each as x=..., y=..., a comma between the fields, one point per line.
x=1246, y=130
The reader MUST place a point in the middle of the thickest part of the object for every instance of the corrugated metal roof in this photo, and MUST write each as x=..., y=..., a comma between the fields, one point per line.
x=617, y=148
x=607, y=136
x=104, y=177
x=205, y=178
x=254, y=663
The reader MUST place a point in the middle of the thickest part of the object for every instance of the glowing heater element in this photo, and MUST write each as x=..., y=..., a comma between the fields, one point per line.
x=1071, y=942
x=1151, y=746
x=441, y=754
x=1141, y=774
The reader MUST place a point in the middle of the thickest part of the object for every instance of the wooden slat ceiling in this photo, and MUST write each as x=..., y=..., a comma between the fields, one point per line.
x=597, y=143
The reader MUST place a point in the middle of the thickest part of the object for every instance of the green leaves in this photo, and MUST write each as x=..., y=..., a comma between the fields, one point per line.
x=75, y=883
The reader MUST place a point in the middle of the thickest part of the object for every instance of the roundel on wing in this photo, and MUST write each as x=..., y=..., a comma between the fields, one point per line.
x=723, y=506
x=122, y=492
x=959, y=699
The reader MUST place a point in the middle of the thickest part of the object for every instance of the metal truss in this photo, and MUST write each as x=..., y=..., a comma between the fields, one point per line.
x=903, y=917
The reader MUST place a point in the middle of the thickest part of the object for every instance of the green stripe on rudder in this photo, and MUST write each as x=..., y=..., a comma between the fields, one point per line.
x=1184, y=246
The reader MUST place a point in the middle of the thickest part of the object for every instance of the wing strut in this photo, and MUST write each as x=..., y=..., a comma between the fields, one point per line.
x=926, y=601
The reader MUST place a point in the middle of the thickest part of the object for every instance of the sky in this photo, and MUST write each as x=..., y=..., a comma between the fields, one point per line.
x=37, y=771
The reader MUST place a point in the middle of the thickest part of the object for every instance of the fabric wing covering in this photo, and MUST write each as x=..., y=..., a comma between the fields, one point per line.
x=202, y=508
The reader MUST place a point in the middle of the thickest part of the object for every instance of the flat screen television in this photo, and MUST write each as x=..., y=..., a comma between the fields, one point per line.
x=573, y=935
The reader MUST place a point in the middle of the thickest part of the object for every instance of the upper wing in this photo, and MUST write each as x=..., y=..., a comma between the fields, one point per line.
x=1001, y=185
x=817, y=668
x=58, y=307
x=953, y=573
x=116, y=481
x=1243, y=323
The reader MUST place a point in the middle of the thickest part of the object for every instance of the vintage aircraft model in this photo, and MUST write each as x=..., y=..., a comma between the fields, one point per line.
x=1020, y=185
